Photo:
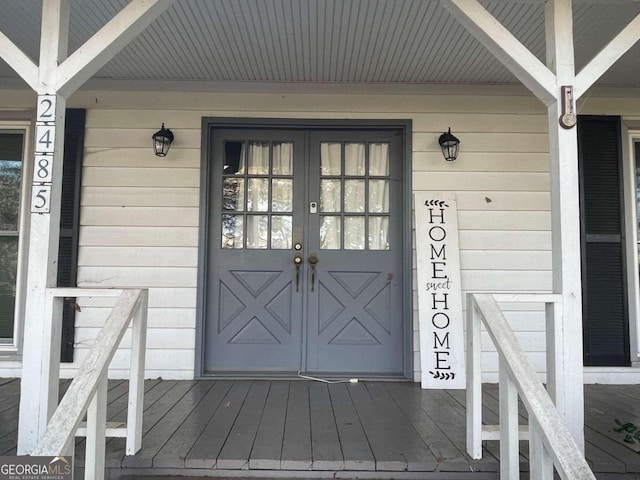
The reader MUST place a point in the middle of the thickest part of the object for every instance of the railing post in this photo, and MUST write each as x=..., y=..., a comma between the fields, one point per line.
x=36, y=411
x=474, y=380
x=136, y=375
x=540, y=462
x=509, y=435
x=96, y=429
x=555, y=358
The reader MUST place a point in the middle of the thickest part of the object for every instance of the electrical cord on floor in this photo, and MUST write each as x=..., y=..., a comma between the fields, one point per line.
x=324, y=380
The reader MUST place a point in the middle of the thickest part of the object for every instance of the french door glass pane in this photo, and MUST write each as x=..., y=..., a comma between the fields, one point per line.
x=234, y=153
x=379, y=159
x=330, y=158
x=378, y=196
x=330, y=194
x=354, y=159
x=258, y=158
x=378, y=233
x=258, y=195
x=282, y=159
x=354, y=195
x=233, y=194
x=282, y=200
x=257, y=231
x=330, y=233
x=232, y=228
x=281, y=231
x=354, y=233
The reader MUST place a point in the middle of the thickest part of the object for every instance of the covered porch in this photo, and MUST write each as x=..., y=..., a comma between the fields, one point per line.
x=296, y=429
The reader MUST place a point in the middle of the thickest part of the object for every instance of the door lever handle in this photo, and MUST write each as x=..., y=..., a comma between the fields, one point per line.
x=297, y=261
x=313, y=261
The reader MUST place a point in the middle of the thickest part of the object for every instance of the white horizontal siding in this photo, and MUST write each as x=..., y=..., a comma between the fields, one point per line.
x=138, y=236
x=166, y=317
x=140, y=177
x=141, y=256
x=134, y=276
x=140, y=197
x=161, y=216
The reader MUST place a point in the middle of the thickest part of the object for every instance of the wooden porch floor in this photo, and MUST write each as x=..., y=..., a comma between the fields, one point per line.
x=294, y=429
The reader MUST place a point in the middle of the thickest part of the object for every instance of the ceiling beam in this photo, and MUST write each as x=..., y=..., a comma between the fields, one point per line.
x=505, y=47
x=54, y=42
x=609, y=55
x=19, y=61
x=107, y=42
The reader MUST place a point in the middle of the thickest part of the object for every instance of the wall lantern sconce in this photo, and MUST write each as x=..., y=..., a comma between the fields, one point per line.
x=449, y=144
x=162, y=140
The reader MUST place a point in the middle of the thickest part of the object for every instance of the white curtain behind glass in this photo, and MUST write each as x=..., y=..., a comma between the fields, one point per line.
x=353, y=199
x=258, y=194
x=331, y=158
x=378, y=196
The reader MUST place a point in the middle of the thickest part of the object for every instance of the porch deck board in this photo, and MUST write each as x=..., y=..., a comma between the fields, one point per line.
x=207, y=447
x=325, y=441
x=387, y=455
x=175, y=450
x=400, y=431
x=355, y=447
x=157, y=436
x=267, y=447
x=213, y=427
x=296, y=445
x=237, y=449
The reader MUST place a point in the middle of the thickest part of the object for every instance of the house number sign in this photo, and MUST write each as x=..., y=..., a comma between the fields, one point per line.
x=44, y=148
x=439, y=292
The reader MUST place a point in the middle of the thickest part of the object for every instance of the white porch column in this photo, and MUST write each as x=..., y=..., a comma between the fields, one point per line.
x=41, y=352
x=566, y=380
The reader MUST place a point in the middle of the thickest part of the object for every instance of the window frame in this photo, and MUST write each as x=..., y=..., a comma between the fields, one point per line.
x=14, y=345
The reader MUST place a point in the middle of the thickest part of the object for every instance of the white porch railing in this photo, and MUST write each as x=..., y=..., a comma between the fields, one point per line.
x=88, y=390
x=550, y=442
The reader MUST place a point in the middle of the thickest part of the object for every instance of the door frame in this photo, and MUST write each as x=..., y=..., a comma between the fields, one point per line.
x=212, y=123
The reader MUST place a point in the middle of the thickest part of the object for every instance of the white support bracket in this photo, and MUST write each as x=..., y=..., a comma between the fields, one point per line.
x=19, y=61
x=505, y=47
x=107, y=42
x=610, y=54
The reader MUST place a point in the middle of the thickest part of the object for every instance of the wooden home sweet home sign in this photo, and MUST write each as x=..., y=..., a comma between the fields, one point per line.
x=439, y=292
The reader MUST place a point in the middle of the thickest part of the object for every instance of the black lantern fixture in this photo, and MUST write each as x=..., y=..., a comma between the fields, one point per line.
x=162, y=141
x=449, y=144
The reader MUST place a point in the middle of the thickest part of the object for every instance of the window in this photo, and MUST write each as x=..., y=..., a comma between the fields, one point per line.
x=11, y=174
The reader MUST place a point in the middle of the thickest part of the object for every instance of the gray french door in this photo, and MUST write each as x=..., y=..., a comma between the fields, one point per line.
x=304, y=258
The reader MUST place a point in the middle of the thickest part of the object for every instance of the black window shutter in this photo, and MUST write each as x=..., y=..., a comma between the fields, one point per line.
x=604, y=295
x=69, y=221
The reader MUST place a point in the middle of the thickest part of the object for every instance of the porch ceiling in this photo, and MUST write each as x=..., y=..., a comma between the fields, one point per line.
x=324, y=41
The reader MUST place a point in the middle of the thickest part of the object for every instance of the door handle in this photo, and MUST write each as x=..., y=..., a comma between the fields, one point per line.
x=297, y=261
x=313, y=261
